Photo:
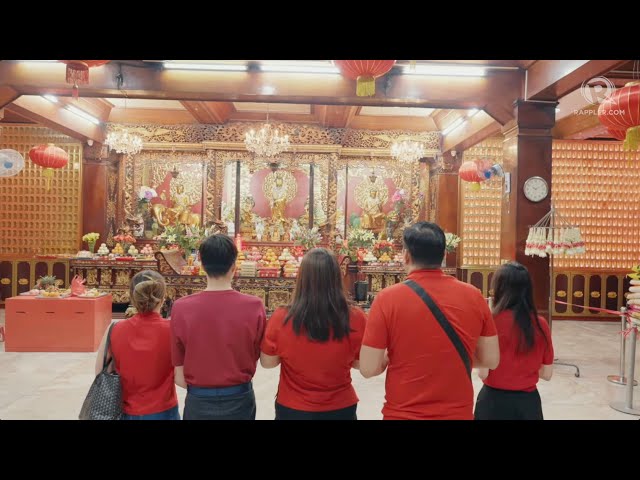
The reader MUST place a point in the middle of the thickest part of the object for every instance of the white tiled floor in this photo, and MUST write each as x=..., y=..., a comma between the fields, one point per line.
x=53, y=385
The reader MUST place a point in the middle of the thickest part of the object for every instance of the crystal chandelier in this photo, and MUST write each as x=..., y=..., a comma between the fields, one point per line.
x=407, y=151
x=266, y=142
x=124, y=142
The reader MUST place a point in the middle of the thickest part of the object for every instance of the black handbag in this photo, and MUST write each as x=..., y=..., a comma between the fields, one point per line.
x=104, y=400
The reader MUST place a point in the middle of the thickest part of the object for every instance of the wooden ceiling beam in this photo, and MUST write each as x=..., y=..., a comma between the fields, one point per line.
x=7, y=95
x=41, y=111
x=584, y=122
x=391, y=90
x=209, y=112
x=473, y=131
x=553, y=79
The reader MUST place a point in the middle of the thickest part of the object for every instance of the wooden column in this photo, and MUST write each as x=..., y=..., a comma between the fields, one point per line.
x=95, y=173
x=527, y=153
x=446, y=198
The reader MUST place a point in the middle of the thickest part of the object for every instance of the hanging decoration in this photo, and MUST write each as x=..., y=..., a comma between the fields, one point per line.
x=11, y=163
x=78, y=72
x=477, y=171
x=620, y=111
x=365, y=73
x=561, y=238
x=617, y=134
x=49, y=157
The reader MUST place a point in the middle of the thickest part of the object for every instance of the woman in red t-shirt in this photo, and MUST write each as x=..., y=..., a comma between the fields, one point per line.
x=141, y=349
x=526, y=351
x=317, y=341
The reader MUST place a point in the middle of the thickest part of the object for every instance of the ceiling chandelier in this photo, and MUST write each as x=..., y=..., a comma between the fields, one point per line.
x=407, y=151
x=266, y=142
x=124, y=142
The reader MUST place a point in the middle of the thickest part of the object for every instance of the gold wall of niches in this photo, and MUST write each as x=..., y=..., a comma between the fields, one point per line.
x=32, y=219
x=480, y=211
x=595, y=187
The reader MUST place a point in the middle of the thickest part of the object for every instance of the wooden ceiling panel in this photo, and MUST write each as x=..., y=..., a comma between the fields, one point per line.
x=209, y=112
x=413, y=124
x=146, y=115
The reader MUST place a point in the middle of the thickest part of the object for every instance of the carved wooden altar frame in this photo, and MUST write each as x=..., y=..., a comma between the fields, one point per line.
x=328, y=149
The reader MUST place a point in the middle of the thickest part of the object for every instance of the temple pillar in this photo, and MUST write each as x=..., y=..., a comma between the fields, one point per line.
x=527, y=153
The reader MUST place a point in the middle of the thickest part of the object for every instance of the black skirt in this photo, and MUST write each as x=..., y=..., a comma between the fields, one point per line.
x=494, y=404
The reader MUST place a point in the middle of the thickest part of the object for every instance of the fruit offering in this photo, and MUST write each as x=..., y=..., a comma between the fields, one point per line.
x=254, y=255
x=385, y=258
x=94, y=292
x=118, y=250
x=241, y=258
x=147, y=251
x=270, y=260
x=84, y=254
x=248, y=269
x=370, y=257
x=285, y=256
x=291, y=268
x=133, y=251
x=103, y=251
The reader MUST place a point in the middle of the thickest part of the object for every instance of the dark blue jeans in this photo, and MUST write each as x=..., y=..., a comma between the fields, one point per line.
x=225, y=403
x=171, y=414
x=286, y=413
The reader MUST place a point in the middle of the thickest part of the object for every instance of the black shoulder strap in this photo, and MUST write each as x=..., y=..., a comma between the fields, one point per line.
x=105, y=364
x=444, y=323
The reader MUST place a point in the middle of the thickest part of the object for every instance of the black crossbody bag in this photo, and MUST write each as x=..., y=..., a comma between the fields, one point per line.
x=444, y=323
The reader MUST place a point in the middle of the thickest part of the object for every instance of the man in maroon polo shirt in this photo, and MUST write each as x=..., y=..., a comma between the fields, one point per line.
x=215, y=339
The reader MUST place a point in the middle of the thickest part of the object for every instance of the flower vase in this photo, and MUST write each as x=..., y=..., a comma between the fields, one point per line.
x=92, y=246
x=125, y=248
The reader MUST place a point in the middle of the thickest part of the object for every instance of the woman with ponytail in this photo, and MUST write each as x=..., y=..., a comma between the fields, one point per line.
x=526, y=351
x=141, y=350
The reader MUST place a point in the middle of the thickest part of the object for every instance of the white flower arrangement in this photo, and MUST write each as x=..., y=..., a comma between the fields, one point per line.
x=451, y=241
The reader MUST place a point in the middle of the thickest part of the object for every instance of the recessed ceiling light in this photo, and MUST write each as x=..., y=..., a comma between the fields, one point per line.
x=453, y=126
x=221, y=67
x=446, y=70
x=83, y=114
x=51, y=98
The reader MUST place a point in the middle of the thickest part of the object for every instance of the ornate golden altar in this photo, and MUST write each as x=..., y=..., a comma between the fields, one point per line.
x=114, y=276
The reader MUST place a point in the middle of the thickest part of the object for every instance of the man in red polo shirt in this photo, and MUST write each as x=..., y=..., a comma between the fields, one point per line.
x=428, y=356
x=216, y=336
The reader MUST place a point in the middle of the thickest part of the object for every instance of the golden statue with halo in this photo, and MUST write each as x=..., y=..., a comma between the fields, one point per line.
x=280, y=187
x=371, y=194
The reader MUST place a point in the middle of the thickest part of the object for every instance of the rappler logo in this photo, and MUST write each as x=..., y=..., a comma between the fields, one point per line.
x=597, y=89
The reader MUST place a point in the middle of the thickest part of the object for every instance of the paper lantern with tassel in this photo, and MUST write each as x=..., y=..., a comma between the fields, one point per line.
x=365, y=73
x=49, y=157
x=78, y=72
x=621, y=111
x=469, y=172
x=617, y=134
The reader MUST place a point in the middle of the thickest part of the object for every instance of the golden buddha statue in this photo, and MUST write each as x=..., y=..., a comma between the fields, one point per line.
x=247, y=224
x=278, y=200
x=372, y=216
x=179, y=214
x=280, y=187
x=371, y=195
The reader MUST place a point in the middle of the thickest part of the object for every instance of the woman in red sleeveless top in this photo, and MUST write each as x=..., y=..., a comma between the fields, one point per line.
x=141, y=348
x=526, y=351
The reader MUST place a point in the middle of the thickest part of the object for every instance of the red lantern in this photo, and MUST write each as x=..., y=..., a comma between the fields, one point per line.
x=365, y=73
x=48, y=157
x=469, y=172
x=78, y=72
x=621, y=111
x=617, y=134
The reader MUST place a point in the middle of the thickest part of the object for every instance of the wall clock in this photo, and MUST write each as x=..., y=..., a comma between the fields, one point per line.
x=535, y=189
